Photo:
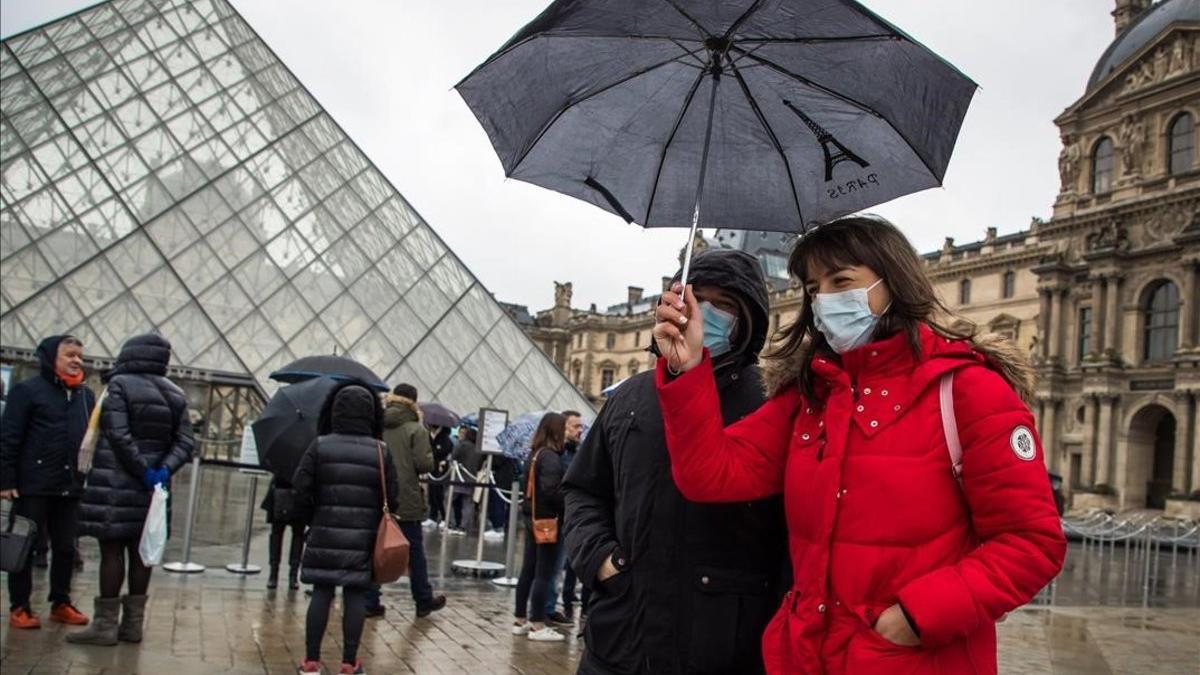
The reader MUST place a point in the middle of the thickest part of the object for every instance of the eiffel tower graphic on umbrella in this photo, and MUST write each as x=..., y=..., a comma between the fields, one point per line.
x=826, y=139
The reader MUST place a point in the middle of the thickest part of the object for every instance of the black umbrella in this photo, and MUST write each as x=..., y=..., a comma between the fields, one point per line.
x=309, y=367
x=768, y=115
x=437, y=415
x=288, y=424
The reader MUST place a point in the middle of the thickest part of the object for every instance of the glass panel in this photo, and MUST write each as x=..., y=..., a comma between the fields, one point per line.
x=270, y=169
x=60, y=156
x=373, y=238
x=145, y=73
x=19, y=94
x=428, y=301
x=207, y=43
x=134, y=258
x=90, y=61
x=346, y=319
x=486, y=370
x=423, y=247
x=321, y=179
x=539, y=376
x=318, y=285
x=13, y=334
x=290, y=253
x=123, y=167
x=509, y=343
x=172, y=232
x=43, y=212
x=167, y=100
x=190, y=129
x=346, y=207
x=347, y=160
x=371, y=187
x=67, y=247
x=323, y=133
x=315, y=338
x=405, y=373
x=457, y=335
x=400, y=271
x=259, y=273
x=206, y=210
x=225, y=303
x=374, y=294
x=34, y=124
x=569, y=398
x=213, y=157
x=157, y=147
x=10, y=142
x=32, y=48
x=120, y=320
x=264, y=220
x=293, y=198
x=111, y=89
x=149, y=197
x=12, y=234
x=479, y=308
x=198, y=266
x=400, y=326
x=318, y=228
x=108, y=222
x=190, y=334
x=67, y=34
x=124, y=47
x=156, y=33
x=20, y=178
x=160, y=295
x=54, y=77
x=375, y=352
x=346, y=261
x=460, y=394
x=516, y=399
x=50, y=313
x=451, y=277
x=219, y=357
x=84, y=189
x=94, y=286
x=287, y=311
x=25, y=273
x=181, y=178
x=296, y=150
x=244, y=139
x=432, y=363
x=102, y=20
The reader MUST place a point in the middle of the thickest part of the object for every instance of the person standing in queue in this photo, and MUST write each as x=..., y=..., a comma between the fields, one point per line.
x=919, y=511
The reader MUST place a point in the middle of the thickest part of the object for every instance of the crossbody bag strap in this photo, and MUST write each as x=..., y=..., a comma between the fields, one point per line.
x=531, y=483
x=382, y=479
x=950, y=424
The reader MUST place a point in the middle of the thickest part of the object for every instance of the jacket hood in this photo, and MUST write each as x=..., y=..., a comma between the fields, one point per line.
x=399, y=410
x=47, y=353
x=353, y=411
x=149, y=353
x=990, y=349
x=739, y=273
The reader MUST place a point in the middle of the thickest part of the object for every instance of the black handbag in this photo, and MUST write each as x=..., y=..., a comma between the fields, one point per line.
x=290, y=507
x=16, y=541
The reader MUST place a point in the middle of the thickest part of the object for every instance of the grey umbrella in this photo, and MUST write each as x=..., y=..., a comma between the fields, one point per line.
x=768, y=115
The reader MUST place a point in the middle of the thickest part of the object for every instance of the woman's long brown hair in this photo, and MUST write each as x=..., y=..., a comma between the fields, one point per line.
x=875, y=243
x=551, y=433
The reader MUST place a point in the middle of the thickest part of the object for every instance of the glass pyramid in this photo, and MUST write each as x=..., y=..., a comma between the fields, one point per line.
x=160, y=168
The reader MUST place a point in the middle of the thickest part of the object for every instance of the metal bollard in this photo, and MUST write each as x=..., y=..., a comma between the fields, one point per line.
x=480, y=567
x=510, y=546
x=245, y=567
x=187, y=566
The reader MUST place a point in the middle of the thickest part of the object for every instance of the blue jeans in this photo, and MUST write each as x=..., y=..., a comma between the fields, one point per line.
x=418, y=568
x=568, y=585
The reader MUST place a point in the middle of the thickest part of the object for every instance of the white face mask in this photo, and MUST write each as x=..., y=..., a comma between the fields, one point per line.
x=845, y=318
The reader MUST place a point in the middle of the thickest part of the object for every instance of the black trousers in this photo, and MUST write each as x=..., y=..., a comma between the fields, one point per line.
x=354, y=614
x=276, y=544
x=58, y=518
x=537, y=571
x=437, y=502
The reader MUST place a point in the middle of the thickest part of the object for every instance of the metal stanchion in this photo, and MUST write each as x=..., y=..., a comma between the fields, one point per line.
x=510, y=546
x=479, y=566
x=245, y=567
x=187, y=566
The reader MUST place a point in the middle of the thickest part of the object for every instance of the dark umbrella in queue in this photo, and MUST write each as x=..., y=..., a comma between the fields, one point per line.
x=288, y=424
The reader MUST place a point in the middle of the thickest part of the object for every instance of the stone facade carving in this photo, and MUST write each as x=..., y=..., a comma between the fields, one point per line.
x=562, y=294
x=1110, y=235
x=1068, y=163
x=1132, y=137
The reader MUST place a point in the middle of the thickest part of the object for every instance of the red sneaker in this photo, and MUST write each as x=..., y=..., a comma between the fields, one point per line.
x=355, y=668
x=66, y=613
x=24, y=619
x=309, y=668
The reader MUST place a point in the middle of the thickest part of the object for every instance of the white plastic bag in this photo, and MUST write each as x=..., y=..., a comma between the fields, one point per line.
x=154, y=533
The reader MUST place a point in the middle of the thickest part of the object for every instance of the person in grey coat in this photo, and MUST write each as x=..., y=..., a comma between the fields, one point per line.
x=339, y=472
x=145, y=437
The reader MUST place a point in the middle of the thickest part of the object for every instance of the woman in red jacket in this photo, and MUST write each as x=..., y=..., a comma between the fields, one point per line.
x=902, y=560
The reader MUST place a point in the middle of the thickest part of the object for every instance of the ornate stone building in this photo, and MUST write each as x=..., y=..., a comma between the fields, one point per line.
x=1103, y=294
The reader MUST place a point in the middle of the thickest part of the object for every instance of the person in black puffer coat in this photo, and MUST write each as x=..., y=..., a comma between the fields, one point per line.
x=145, y=437
x=340, y=474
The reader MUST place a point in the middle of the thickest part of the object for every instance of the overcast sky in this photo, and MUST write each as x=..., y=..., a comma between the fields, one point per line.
x=385, y=70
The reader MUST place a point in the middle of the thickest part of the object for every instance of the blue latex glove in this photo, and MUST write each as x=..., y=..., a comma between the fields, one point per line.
x=150, y=478
x=164, y=475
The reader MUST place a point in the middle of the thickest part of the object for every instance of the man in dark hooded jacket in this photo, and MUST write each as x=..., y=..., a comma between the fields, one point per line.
x=43, y=426
x=678, y=587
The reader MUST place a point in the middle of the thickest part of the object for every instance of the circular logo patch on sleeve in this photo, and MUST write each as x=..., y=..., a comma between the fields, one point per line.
x=1021, y=442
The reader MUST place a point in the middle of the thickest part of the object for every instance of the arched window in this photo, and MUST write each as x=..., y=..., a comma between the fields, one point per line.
x=1161, y=322
x=1102, y=166
x=1010, y=283
x=964, y=292
x=1181, y=142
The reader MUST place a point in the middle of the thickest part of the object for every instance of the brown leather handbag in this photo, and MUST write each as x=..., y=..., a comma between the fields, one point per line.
x=545, y=530
x=389, y=562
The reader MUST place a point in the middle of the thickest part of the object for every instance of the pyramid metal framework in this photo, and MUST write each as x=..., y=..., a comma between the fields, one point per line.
x=160, y=168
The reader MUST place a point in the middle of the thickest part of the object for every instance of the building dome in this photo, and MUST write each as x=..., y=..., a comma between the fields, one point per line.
x=1148, y=25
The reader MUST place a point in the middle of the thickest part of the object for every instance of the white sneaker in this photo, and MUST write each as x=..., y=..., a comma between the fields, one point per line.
x=458, y=533
x=520, y=628
x=427, y=524
x=546, y=634
x=493, y=534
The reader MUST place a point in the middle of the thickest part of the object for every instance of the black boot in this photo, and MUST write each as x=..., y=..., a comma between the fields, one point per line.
x=294, y=579
x=273, y=578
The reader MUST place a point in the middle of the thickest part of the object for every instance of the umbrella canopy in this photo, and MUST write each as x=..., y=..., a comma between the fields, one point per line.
x=342, y=367
x=514, y=440
x=437, y=415
x=288, y=424
x=799, y=111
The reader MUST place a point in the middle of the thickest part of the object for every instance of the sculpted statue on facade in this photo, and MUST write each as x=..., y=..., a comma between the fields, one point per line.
x=1068, y=163
x=562, y=294
x=1132, y=137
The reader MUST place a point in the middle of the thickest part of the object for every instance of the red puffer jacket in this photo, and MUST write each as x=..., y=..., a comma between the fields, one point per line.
x=875, y=515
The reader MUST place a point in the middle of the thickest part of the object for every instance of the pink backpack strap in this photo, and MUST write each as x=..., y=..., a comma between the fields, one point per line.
x=950, y=425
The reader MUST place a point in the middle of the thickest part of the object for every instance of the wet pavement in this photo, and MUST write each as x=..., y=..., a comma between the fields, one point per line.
x=1097, y=618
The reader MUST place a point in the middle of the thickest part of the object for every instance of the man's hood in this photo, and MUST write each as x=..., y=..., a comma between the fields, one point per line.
x=399, y=410
x=149, y=353
x=739, y=273
x=47, y=353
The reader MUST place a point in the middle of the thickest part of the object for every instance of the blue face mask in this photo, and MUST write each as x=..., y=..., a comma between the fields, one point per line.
x=718, y=329
x=845, y=318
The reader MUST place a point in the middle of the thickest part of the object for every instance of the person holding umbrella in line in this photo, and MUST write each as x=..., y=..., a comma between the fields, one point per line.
x=919, y=512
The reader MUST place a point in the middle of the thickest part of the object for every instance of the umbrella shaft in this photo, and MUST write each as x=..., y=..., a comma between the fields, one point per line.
x=687, y=256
